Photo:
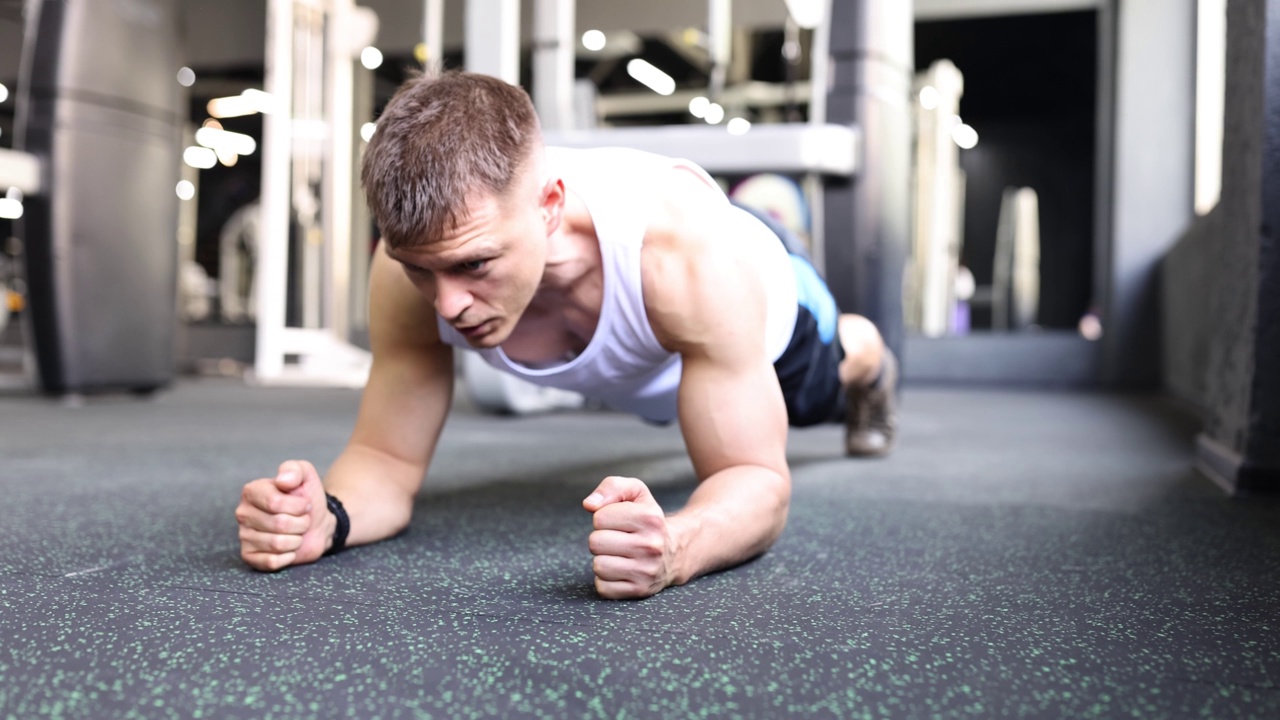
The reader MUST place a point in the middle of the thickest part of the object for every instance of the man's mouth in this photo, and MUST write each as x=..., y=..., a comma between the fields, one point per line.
x=473, y=330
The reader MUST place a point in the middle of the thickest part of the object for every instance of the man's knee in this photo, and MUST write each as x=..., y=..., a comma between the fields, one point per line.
x=858, y=334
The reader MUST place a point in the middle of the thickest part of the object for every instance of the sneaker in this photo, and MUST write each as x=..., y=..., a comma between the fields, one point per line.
x=871, y=419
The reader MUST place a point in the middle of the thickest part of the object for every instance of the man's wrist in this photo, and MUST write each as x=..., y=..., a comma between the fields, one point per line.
x=328, y=523
x=679, y=528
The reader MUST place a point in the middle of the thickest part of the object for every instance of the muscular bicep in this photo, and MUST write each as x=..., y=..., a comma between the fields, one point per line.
x=707, y=303
x=407, y=398
x=732, y=414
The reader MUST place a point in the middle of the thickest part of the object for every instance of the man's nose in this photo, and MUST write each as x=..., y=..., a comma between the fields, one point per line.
x=452, y=298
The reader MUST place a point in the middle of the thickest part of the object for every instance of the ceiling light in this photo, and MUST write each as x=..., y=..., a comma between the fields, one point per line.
x=594, y=40
x=964, y=136
x=651, y=77
x=808, y=14
x=200, y=157
x=929, y=97
x=10, y=209
x=246, y=103
x=371, y=57
x=226, y=141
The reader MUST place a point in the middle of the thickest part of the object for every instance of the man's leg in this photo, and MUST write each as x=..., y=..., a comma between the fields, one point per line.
x=868, y=373
x=869, y=376
x=863, y=349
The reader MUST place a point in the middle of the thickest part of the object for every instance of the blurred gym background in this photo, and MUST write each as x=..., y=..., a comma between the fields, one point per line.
x=1021, y=193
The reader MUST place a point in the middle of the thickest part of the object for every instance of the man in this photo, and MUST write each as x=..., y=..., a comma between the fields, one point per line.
x=624, y=275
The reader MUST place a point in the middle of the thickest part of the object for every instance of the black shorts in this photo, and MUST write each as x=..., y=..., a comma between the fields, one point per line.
x=809, y=369
x=809, y=373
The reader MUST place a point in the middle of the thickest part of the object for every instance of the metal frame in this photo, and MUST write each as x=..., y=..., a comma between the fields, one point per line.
x=938, y=200
x=832, y=150
x=433, y=33
x=553, y=58
x=324, y=353
x=22, y=171
x=493, y=38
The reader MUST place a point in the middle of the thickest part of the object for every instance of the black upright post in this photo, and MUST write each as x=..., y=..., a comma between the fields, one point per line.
x=1239, y=335
x=867, y=219
x=1262, y=452
x=100, y=104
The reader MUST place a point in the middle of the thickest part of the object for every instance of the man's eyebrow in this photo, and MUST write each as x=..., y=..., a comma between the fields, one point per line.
x=404, y=262
x=483, y=253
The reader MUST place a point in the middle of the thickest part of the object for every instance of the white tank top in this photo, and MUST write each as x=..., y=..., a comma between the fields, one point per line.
x=623, y=365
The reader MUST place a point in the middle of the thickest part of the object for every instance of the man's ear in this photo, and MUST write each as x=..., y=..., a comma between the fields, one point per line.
x=552, y=204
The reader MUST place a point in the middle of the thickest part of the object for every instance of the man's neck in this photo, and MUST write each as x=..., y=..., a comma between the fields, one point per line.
x=573, y=254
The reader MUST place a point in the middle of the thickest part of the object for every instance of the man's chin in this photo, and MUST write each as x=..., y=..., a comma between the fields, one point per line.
x=489, y=339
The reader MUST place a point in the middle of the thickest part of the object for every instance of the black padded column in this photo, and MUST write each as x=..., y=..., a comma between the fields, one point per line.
x=99, y=103
x=868, y=217
x=1262, y=453
x=1237, y=250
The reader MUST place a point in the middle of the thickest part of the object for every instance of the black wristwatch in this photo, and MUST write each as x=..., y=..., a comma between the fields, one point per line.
x=343, y=527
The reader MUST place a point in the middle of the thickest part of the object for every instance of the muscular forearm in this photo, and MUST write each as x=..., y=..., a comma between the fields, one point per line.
x=732, y=517
x=375, y=491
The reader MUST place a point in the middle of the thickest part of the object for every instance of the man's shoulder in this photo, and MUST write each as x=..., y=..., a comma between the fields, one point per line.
x=688, y=259
x=688, y=212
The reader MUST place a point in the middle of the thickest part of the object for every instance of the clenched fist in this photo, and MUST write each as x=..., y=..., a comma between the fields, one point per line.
x=632, y=544
x=284, y=520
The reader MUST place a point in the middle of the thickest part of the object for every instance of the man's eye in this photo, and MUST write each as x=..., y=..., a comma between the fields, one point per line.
x=473, y=265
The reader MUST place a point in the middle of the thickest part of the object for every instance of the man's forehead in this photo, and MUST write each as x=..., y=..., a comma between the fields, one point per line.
x=434, y=252
x=473, y=225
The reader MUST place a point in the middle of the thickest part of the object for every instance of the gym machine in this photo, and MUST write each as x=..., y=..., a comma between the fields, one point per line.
x=97, y=164
x=939, y=204
x=310, y=146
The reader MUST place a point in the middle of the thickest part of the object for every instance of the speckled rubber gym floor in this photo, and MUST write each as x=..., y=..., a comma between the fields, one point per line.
x=1022, y=555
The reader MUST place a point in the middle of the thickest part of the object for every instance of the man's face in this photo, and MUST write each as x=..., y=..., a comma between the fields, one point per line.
x=483, y=274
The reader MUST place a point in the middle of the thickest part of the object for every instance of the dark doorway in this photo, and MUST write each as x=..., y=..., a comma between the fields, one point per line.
x=1031, y=93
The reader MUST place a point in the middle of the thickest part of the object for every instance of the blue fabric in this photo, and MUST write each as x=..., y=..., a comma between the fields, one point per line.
x=814, y=296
